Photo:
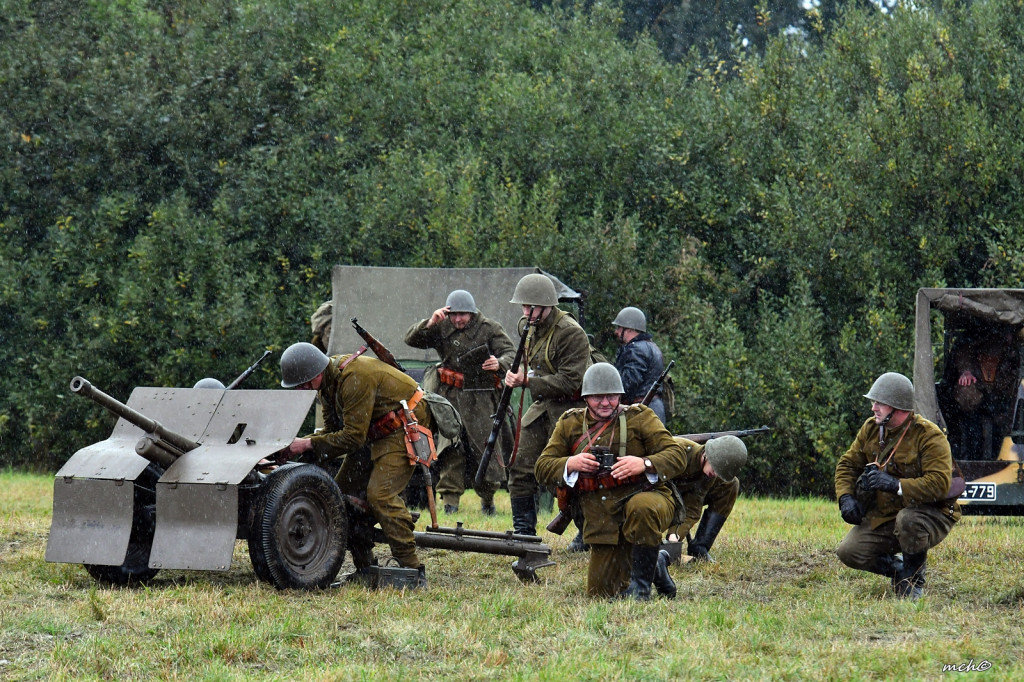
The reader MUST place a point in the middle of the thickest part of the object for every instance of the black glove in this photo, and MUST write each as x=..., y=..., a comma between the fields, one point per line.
x=850, y=510
x=876, y=479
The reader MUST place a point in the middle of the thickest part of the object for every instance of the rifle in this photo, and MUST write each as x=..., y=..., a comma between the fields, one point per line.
x=247, y=373
x=502, y=409
x=377, y=347
x=656, y=386
x=705, y=437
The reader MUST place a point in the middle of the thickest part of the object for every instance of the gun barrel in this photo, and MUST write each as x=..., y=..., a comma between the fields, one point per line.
x=163, y=435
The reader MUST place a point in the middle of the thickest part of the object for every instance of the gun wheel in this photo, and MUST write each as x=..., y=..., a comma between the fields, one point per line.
x=135, y=570
x=299, y=529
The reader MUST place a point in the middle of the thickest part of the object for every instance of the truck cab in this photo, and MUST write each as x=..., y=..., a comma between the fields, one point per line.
x=968, y=379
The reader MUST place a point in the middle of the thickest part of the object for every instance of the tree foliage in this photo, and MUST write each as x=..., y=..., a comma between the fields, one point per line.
x=179, y=178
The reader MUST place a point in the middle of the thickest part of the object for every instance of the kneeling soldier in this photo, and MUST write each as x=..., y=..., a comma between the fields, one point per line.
x=893, y=486
x=626, y=501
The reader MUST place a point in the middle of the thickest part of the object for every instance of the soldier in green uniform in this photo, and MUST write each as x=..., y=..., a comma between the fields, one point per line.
x=710, y=481
x=361, y=400
x=557, y=355
x=893, y=487
x=627, y=505
x=473, y=350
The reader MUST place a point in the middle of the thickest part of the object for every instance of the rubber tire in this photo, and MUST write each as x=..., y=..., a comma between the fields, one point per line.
x=135, y=570
x=299, y=530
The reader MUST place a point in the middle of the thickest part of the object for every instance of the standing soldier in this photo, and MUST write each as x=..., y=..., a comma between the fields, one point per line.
x=361, y=398
x=639, y=359
x=472, y=349
x=893, y=487
x=557, y=355
x=626, y=501
x=709, y=480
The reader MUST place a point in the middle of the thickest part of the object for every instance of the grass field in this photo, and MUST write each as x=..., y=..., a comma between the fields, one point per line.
x=776, y=605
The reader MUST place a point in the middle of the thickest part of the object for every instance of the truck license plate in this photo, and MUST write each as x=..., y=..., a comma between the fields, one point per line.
x=980, y=492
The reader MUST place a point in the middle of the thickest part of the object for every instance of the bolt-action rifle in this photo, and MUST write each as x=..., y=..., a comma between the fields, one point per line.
x=742, y=433
x=502, y=410
x=247, y=373
x=655, y=388
x=377, y=347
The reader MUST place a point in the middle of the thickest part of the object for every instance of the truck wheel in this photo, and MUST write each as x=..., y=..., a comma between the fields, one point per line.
x=135, y=570
x=299, y=529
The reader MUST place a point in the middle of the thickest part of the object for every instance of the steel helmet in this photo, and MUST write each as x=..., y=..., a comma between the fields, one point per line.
x=893, y=389
x=461, y=301
x=535, y=289
x=631, y=318
x=301, y=362
x=209, y=382
x=727, y=455
x=602, y=378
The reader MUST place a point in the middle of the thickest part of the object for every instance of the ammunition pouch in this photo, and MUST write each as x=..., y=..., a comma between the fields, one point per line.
x=478, y=381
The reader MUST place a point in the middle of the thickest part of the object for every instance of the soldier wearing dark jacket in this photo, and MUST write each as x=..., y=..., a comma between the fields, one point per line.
x=893, y=486
x=361, y=399
x=710, y=481
x=639, y=360
x=557, y=355
x=627, y=505
x=473, y=350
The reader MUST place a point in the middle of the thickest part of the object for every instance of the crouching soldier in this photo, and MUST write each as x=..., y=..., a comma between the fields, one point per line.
x=362, y=400
x=893, y=487
x=708, y=483
x=618, y=459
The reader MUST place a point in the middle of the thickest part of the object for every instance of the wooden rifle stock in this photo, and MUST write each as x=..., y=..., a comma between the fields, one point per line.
x=656, y=386
x=377, y=347
x=502, y=409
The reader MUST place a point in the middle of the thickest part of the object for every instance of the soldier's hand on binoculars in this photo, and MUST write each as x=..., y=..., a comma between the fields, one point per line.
x=850, y=510
x=583, y=462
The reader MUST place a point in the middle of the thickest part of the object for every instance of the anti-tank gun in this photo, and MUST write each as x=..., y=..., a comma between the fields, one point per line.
x=181, y=477
x=178, y=481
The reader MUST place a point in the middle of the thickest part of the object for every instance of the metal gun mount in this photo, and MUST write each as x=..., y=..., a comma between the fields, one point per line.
x=533, y=554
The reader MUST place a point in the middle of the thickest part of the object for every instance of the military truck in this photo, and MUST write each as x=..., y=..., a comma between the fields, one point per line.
x=968, y=380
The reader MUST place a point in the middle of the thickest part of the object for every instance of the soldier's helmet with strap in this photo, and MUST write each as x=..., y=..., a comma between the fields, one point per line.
x=602, y=378
x=631, y=318
x=535, y=289
x=893, y=389
x=301, y=362
x=727, y=455
x=461, y=301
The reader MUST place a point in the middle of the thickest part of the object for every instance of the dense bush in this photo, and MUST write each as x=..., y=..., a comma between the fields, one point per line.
x=178, y=179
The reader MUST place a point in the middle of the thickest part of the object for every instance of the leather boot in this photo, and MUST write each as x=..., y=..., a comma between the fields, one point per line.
x=662, y=580
x=524, y=515
x=887, y=565
x=700, y=546
x=909, y=581
x=645, y=564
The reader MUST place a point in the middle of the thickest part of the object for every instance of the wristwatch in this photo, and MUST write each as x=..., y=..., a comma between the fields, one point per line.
x=648, y=467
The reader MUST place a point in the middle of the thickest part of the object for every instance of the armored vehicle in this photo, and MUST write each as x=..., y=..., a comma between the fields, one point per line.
x=968, y=380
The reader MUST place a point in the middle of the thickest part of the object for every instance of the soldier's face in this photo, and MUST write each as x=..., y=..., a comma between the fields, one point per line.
x=539, y=314
x=460, y=320
x=313, y=384
x=602, y=406
x=706, y=467
x=880, y=410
